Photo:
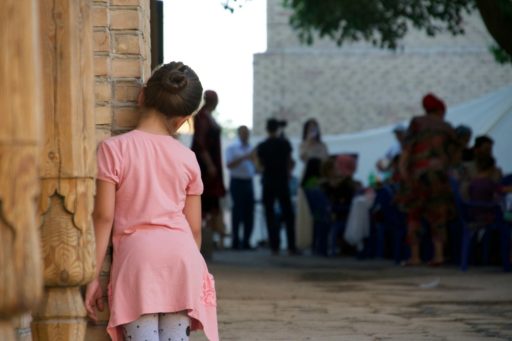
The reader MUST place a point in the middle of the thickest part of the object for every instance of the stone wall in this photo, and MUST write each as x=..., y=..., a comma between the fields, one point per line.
x=357, y=86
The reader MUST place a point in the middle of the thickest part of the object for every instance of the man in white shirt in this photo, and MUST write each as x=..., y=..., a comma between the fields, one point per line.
x=239, y=160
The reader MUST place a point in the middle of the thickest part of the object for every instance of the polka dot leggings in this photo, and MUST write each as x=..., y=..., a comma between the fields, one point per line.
x=158, y=327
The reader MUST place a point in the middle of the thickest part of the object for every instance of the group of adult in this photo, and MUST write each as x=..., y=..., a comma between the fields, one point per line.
x=432, y=168
x=427, y=156
x=272, y=158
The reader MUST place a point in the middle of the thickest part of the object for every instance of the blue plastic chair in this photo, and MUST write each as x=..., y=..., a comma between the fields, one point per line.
x=394, y=222
x=469, y=232
x=469, y=224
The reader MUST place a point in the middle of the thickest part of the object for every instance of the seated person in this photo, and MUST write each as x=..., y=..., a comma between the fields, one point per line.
x=483, y=149
x=387, y=195
x=340, y=189
x=393, y=172
x=463, y=134
x=463, y=157
x=483, y=188
x=386, y=165
x=351, y=204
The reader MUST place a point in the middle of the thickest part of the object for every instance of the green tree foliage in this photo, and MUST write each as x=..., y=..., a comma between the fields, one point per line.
x=381, y=22
x=497, y=16
x=385, y=22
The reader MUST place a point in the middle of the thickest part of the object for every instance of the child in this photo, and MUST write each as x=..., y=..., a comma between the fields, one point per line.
x=148, y=195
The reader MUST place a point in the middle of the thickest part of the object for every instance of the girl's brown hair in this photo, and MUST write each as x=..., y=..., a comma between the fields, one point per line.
x=174, y=90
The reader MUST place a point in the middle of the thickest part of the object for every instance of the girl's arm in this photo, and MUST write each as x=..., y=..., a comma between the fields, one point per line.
x=192, y=211
x=103, y=218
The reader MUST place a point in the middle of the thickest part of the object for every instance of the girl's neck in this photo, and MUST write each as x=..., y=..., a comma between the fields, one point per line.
x=154, y=122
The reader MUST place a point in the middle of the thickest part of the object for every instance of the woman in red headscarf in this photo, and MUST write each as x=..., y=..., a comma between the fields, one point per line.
x=429, y=148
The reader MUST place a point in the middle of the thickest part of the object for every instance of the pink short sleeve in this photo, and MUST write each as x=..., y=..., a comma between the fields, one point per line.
x=108, y=163
x=195, y=186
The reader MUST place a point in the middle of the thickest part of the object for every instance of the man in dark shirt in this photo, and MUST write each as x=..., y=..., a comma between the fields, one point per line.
x=274, y=156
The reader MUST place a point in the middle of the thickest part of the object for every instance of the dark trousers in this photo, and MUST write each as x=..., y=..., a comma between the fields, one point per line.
x=242, y=193
x=281, y=192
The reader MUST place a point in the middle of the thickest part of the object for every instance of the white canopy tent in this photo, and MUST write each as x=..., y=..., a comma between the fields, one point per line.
x=490, y=114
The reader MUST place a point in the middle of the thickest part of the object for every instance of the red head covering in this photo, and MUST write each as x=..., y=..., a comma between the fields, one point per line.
x=431, y=103
x=346, y=164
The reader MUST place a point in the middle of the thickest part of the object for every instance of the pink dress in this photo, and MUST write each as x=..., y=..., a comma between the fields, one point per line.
x=156, y=266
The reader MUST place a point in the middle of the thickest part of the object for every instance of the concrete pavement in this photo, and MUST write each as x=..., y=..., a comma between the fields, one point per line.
x=264, y=297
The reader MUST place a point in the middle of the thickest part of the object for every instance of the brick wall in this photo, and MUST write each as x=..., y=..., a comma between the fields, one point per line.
x=121, y=62
x=357, y=86
x=121, y=65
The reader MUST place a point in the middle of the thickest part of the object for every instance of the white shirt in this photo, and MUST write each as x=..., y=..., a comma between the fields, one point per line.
x=245, y=169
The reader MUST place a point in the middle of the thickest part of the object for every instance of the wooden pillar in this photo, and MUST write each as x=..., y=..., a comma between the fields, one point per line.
x=67, y=168
x=20, y=102
x=22, y=327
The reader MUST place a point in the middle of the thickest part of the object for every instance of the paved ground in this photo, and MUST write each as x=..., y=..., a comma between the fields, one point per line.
x=263, y=297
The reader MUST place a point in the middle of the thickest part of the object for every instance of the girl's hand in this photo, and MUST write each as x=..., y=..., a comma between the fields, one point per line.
x=94, y=299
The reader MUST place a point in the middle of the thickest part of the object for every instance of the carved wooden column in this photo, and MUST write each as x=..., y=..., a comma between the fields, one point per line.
x=20, y=102
x=67, y=169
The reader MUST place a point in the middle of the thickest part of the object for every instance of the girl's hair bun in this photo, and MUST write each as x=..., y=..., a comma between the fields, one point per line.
x=173, y=89
x=175, y=81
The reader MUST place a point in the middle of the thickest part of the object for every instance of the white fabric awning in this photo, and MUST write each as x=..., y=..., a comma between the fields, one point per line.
x=490, y=114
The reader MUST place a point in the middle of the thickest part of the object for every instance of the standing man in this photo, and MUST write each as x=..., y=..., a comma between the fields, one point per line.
x=241, y=168
x=274, y=155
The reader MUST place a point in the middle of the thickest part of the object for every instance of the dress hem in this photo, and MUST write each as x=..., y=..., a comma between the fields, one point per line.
x=116, y=334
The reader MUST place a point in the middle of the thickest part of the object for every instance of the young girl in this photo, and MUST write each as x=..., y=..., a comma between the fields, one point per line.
x=149, y=196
